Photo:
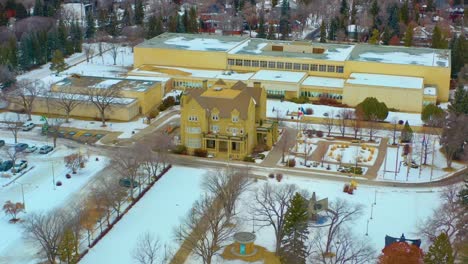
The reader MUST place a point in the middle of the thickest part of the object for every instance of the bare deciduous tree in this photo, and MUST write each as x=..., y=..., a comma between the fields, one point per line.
x=126, y=163
x=355, y=122
x=103, y=98
x=271, y=205
x=328, y=122
x=46, y=229
x=14, y=125
x=341, y=212
x=54, y=128
x=454, y=139
x=206, y=229
x=451, y=217
x=347, y=249
x=88, y=50
x=11, y=153
x=284, y=144
x=112, y=193
x=65, y=101
x=147, y=250
x=227, y=185
x=344, y=116
x=114, y=50
x=24, y=93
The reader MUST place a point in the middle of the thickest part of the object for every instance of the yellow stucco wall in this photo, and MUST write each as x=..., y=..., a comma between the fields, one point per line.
x=179, y=58
x=86, y=109
x=438, y=76
x=403, y=99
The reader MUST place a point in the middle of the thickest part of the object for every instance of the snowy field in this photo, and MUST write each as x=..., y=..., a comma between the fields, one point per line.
x=320, y=110
x=158, y=212
x=392, y=205
x=40, y=195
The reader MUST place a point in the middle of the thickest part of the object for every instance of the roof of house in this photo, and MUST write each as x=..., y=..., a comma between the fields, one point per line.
x=238, y=97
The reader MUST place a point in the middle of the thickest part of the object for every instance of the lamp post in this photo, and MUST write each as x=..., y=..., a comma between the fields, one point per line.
x=371, y=211
x=375, y=197
x=367, y=228
x=22, y=194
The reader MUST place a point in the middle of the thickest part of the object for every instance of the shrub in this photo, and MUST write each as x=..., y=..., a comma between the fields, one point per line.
x=59, y=183
x=319, y=133
x=261, y=156
x=249, y=159
x=291, y=163
x=401, y=122
x=271, y=175
x=180, y=149
x=153, y=114
x=200, y=152
x=300, y=100
x=279, y=177
x=166, y=103
x=68, y=176
x=309, y=111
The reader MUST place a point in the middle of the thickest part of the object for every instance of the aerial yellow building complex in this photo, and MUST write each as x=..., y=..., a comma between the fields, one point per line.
x=404, y=78
x=227, y=121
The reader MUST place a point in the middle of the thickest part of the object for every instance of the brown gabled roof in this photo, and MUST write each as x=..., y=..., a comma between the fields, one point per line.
x=219, y=82
x=226, y=105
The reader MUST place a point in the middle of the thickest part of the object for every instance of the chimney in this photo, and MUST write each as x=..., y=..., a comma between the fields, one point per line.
x=257, y=85
x=205, y=84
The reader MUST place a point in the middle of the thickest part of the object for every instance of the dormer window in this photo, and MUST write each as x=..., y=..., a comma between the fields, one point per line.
x=235, y=118
x=193, y=118
x=215, y=117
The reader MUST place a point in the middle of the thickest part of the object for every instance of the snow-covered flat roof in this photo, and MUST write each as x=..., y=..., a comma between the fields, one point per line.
x=200, y=73
x=324, y=82
x=401, y=55
x=386, y=80
x=432, y=91
x=106, y=84
x=195, y=42
x=279, y=76
x=85, y=98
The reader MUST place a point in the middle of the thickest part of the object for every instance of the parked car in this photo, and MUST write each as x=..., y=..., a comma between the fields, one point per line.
x=126, y=182
x=28, y=126
x=45, y=149
x=30, y=149
x=6, y=165
x=21, y=165
x=21, y=146
x=2, y=143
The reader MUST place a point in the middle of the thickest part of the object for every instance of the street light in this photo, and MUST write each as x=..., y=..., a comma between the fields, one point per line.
x=22, y=194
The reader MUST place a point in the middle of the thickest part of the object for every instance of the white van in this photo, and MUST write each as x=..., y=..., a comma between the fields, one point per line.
x=28, y=126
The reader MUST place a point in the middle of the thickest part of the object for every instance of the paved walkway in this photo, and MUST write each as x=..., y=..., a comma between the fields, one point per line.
x=372, y=172
x=289, y=138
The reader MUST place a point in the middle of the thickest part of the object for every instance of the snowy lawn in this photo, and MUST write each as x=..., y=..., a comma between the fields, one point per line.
x=40, y=195
x=392, y=204
x=319, y=111
x=159, y=212
x=345, y=153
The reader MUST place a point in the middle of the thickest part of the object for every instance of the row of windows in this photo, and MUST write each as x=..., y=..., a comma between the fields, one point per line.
x=318, y=95
x=214, y=117
x=187, y=84
x=275, y=92
x=232, y=130
x=193, y=130
x=286, y=65
x=193, y=143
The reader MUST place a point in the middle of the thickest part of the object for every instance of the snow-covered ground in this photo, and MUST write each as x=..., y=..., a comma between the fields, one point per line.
x=320, y=110
x=396, y=211
x=345, y=153
x=40, y=195
x=158, y=212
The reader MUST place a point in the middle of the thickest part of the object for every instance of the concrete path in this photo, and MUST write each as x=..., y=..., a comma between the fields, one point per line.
x=373, y=171
x=289, y=138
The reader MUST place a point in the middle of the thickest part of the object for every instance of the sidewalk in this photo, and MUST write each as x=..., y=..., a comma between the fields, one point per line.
x=373, y=171
x=276, y=152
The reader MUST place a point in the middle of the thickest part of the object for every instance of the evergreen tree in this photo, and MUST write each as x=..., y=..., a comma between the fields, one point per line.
x=293, y=249
x=90, y=26
x=386, y=36
x=440, y=252
x=180, y=25
x=76, y=36
x=408, y=40
x=103, y=19
x=261, y=33
x=344, y=16
x=334, y=23
x=41, y=38
x=111, y=27
x=438, y=39
x=431, y=113
x=12, y=52
x=374, y=39
x=26, y=52
x=3, y=16
x=185, y=22
x=353, y=13
x=374, y=11
x=193, y=20
x=38, y=8
x=323, y=32
x=459, y=50
x=62, y=36
x=372, y=109
x=404, y=12
x=57, y=63
x=51, y=44
x=67, y=248
x=21, y=12
x=271, y=32
x=459, y=104
x=284, y=20
x=394, y=19
x=139, y=12
x=406, y=133
x=430, y=5
x=126, y=18
x=154, y=27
